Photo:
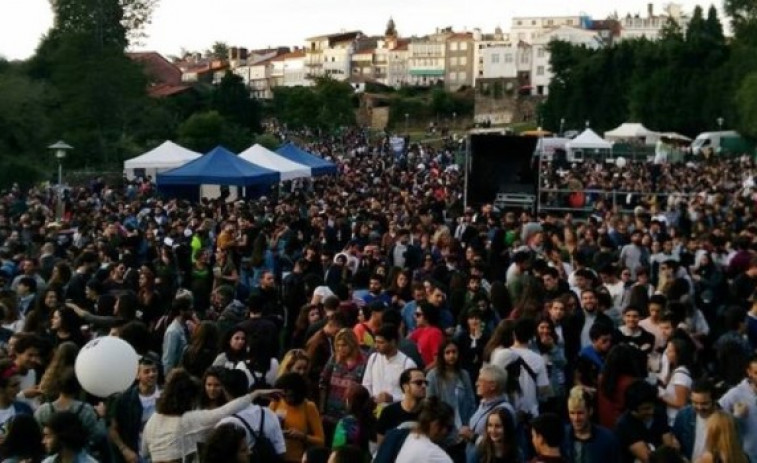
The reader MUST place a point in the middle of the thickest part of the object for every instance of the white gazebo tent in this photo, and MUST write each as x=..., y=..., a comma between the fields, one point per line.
x=588, y=143
x=632, y=131
x=165, y=157
x=263, y=157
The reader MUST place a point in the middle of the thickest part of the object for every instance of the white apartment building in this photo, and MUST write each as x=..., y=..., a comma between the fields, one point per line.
x=330, y=54
x=481, y=42
x=526, y=29
x=291, y=68
x=541, y=73
x=651, y=26
x=506, y=61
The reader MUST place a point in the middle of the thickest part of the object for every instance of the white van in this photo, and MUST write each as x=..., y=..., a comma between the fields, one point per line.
x=711, y=141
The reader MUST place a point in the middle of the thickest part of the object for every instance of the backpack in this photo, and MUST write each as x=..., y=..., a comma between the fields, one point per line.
x=391, y=446
x=262, y=449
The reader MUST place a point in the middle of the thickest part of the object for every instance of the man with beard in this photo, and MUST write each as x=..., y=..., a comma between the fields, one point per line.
x=579, y=324
x=634, y=255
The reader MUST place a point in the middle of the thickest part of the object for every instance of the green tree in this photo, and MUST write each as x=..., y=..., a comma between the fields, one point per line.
x=97, y=91
x=206, y=130
x=232, y=100
x=24, y=121
x=137, y=14
x=219, y=50
x=743, y=14
x=746, y=101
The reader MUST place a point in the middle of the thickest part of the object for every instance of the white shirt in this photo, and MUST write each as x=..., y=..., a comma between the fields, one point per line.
x=419, y=448
x=6, y=414
x=271, y=426
x=382, y=374
x=167, y=438
x=700, y=434
x=681, y=377
x=528, y=400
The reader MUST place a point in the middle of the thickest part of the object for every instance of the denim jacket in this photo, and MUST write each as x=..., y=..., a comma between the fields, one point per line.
x=458, y=393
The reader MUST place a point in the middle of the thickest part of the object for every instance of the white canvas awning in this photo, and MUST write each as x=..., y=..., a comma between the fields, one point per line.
x=263, y=157
x=167, y=156
x=588, y=139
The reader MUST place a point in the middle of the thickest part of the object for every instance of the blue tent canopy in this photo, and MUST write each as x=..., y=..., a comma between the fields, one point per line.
x=218, y=167
x=317, y=165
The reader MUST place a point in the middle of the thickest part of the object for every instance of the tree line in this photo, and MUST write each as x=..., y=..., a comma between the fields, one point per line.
x=684, y=82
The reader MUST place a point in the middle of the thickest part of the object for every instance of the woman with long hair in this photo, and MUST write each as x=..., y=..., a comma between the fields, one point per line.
x=451, y=383
x=294, y=361
x=501, y=338
x=400, y=288
x=235, y=353
x=149, y=300
x=471, y=341
x=63, y=358
x=213, y=394
x=38, y=319
x=300, y=420
x=202, y=349
x=172, y=432
x=499, y=444
x=358, y=427
x=346, y=366
x=545, y=344
x=23, y=441
x=722, y=443
x=309, y=315
x=227, y=443
x=65, y=326
x=680, y=355
x=620, y=370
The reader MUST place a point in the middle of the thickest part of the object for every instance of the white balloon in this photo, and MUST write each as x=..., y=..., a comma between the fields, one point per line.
x=106, y=366
x=620, y=162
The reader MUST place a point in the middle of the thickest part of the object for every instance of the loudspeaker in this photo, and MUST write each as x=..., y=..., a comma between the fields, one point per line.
x=501, y=164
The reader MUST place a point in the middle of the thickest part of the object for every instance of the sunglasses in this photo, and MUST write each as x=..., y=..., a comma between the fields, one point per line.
x=418, y=314
x=419, y=382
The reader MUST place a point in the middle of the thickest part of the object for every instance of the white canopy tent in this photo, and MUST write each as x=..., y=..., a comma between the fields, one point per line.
x=588, y=139
x=263, y=157
x=585, y=145
x=632, y=131
x=165, y=157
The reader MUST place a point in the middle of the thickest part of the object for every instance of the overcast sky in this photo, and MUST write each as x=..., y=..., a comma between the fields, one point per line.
x=196, y=24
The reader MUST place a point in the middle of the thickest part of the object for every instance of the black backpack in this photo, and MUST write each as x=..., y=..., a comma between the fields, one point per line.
x=262, y=449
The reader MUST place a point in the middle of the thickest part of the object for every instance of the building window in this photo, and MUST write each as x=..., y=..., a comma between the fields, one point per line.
x=540, y=70
x=461, y=76
x=570, y=22
x=533, y=22
x=495, y=59
x=463, y=45
x=519, y=23
x=508, y=58
x=463, y=61
x=540, y=52
x=453, y=46
x=524, y=57
x=550, y=22
x=453, y=61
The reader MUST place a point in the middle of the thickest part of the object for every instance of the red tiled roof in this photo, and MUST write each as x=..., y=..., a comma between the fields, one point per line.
x=164, y=90
x=157, y=68
x=291, y=55
x=461, y=35
x=366, y=52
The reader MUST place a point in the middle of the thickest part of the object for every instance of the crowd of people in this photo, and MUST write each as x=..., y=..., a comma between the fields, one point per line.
x=371, y=316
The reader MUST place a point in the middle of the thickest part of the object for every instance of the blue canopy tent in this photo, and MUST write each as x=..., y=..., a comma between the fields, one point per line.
x=317, y=165
x=218, y=167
